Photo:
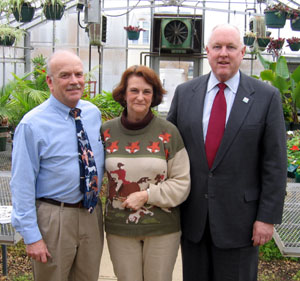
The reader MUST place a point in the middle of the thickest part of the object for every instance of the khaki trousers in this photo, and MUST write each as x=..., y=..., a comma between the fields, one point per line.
x=74, y=238
x=144, y=258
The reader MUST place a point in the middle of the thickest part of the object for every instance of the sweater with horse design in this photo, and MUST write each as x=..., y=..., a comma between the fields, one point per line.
x=153, y=158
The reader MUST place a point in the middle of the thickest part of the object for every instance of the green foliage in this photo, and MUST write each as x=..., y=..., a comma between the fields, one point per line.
x=296, y=277
x=108, y=106
x=4, y=101
x=25, y=95
x=6, y=30
x=25, y=277
x=293, y=147
x=21, y=95
x=39, y=68
x=269, y=251
x=278, y=74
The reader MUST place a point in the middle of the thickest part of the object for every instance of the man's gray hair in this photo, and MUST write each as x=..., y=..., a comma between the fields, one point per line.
x=225, y=25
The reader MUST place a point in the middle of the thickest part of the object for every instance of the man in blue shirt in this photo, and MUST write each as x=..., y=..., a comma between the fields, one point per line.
x=64, y=240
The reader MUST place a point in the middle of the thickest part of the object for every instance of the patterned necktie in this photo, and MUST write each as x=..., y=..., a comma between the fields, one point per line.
x=216, y=125
x=88, y=171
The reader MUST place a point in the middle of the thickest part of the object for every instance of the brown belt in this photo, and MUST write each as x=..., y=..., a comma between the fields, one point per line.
x=57, y=203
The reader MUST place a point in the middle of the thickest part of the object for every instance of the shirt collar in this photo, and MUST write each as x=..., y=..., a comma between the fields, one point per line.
x=232, y=83
x=61, y=108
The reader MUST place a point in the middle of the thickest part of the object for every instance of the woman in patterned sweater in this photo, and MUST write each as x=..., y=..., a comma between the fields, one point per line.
x=148, y=171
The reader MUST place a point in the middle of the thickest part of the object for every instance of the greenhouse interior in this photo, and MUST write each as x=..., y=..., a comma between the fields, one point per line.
x=95, y=31
x=168, y=36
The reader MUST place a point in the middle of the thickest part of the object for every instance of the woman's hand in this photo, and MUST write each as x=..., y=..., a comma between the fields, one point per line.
x=136, y=200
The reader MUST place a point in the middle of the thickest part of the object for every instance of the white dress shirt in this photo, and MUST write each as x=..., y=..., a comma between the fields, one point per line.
x=212, y=89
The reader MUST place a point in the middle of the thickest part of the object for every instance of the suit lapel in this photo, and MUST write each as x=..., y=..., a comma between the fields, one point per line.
x=240, y=108
x=197, y=104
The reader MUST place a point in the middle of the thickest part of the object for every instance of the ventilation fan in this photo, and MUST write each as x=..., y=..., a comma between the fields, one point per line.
x=176, y=34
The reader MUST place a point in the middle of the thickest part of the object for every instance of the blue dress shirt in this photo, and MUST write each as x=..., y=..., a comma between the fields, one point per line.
x=45, y=160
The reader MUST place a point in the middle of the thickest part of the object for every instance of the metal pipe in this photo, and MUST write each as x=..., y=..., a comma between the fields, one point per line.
x=100, y=71
x=194, y=55
x=245, y=23
x=4, y=259
x=27, y=53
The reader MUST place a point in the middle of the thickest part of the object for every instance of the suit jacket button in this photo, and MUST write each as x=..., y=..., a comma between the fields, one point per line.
x=206, y=196
x=210, y=175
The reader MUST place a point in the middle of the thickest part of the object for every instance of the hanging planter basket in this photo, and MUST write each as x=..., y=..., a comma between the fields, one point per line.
x=263, y=42
x=295, y=25
x=133, y=35
x=53, y=12
x=25, y=14
x=275, y=19
x=248, y=41
x=7, y=41
x=295, y=47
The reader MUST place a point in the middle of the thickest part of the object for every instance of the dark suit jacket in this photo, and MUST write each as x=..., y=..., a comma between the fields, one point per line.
x=248, y=178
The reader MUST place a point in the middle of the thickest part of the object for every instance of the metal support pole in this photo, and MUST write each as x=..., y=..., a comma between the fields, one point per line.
x=4, y=260
x=127, y=23
x=90, y=57
x=27, y=53
x=100, y=69
x=53, y=36
x=3, y=66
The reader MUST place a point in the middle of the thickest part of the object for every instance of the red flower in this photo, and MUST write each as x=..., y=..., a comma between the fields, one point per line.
x=294, y=148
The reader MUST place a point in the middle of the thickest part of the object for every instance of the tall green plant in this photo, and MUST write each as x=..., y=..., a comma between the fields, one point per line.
x=108, y=106
x=288, y=83
x=5, y=94
x=25, y=96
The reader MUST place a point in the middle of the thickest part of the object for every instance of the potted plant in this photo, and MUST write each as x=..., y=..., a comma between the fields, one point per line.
x=275, y=15
x=249, y=38
x=275, y=46
x=133, y=32
x=4, y=7
x=263, y=42
x=4, y=100
x=8, y=35
x=53, y=9
x=294, y=15
x=294, y=43
x=23, y=10
x=278, y=74
x=293, y=153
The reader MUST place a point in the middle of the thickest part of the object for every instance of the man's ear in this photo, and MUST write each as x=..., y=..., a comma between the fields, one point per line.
x=243, y=50
x=49, y=81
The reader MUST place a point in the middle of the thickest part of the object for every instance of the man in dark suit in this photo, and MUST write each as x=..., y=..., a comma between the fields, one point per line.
x=237, y=149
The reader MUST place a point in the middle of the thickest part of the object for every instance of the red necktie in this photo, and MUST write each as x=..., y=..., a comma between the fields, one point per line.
x=216, y=125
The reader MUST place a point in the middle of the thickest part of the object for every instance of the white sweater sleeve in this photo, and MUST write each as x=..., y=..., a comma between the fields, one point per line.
x=175, y=189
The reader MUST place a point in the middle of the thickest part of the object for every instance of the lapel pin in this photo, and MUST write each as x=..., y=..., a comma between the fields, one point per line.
x=245, y=100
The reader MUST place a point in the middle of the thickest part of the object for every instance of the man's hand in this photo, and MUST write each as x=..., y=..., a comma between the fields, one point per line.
x=136, y=200
x=262, y=233
x=38, y=251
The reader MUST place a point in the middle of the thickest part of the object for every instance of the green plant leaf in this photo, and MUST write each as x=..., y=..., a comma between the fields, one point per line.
x=267, y=75
x=282, y=84
x=296, y=95
x=296, y=74
x=264, y=62
x=282, y=69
